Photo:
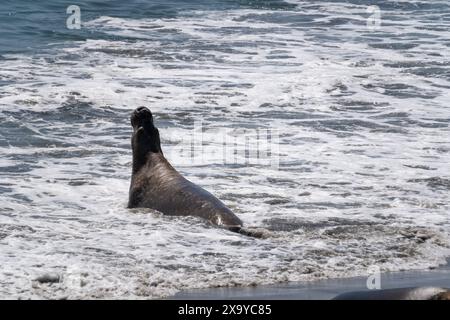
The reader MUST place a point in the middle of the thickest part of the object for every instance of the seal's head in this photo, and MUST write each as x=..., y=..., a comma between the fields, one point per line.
x=145, y=138
x=140, y=117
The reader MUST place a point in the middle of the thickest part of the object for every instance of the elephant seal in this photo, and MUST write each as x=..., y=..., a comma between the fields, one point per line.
x=421, y=293
x=157, y=185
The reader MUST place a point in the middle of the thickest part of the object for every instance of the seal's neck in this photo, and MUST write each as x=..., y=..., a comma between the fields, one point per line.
x=145, y=144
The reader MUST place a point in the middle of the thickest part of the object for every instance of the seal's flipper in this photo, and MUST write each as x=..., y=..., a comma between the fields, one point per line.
x=259, y=233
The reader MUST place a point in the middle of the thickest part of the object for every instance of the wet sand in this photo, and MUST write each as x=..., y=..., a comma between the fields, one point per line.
x=322, y=289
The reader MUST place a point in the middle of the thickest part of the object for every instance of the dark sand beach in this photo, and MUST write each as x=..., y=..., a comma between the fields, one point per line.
x=323, y=289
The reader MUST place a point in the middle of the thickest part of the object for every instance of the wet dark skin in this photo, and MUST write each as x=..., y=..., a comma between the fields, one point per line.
x=157, y=185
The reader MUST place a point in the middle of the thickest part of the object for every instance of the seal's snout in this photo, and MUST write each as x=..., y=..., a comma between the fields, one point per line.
x=140, y=116
x=142, y=110
x=143, y=113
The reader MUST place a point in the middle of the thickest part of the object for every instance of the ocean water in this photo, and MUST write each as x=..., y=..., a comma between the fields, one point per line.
x=363, y=175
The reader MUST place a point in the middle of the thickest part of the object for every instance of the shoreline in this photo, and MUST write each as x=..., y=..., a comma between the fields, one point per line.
x=321, y=289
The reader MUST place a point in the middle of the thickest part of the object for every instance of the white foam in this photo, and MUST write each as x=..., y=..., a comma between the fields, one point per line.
x=67, y=212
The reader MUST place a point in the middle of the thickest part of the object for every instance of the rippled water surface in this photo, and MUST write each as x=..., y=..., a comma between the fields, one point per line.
x=363, y=121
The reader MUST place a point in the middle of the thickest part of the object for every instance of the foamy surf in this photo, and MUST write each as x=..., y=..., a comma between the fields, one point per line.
x=364, y=150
